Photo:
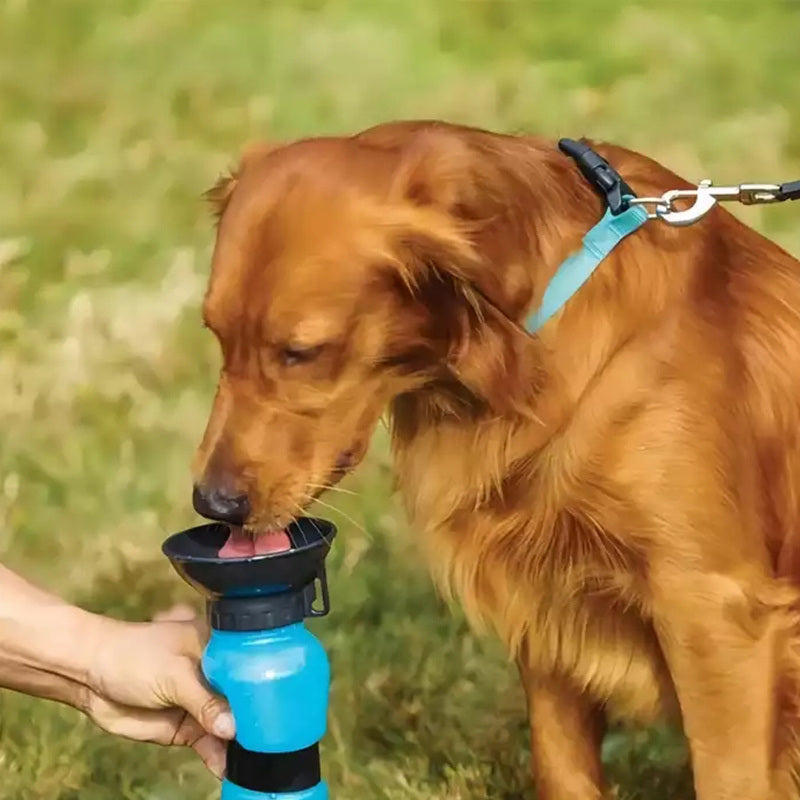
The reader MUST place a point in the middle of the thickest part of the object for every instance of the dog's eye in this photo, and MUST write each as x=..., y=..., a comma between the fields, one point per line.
x=291, y=355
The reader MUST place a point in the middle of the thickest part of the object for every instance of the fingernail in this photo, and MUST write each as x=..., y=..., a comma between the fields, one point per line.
x=224, y=726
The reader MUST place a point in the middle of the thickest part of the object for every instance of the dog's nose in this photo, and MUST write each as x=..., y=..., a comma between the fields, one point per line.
x=221, y=507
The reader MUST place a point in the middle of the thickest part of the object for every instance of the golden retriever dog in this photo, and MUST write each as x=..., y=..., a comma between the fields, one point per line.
x=616, y=495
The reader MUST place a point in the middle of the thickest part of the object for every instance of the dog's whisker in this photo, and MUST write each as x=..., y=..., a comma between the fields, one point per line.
x=322, y=535
x=328, y=488
x=316, y=528
x=345, y=515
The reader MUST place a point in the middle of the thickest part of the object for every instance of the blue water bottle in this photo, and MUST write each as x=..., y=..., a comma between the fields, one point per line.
x=273, y=671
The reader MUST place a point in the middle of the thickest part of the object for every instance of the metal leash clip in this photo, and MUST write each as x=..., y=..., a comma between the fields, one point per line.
x=706, y=196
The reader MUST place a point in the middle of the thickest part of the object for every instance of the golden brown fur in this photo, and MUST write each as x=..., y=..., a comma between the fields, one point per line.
x=617, y=496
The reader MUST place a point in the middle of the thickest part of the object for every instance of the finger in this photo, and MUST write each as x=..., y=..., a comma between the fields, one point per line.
x=213, y=752
x=193, y=634
x=142, y=724
x=172, y=726
x=180, y=612
x=201, y=627
x=210, y=749
x=190, y=691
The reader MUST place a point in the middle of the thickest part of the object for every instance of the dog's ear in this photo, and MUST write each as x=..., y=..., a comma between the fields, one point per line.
x=478, y=183
x=473, y=339
x=220, y=193
x=467, y=258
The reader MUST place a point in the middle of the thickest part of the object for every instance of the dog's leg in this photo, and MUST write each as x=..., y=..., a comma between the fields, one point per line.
x=566, y=733
x=693, y=509
x=722, y=651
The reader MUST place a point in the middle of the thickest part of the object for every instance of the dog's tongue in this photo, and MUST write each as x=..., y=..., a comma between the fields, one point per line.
x=242, y=545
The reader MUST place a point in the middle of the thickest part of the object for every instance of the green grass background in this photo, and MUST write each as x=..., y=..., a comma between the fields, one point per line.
x=114, y=117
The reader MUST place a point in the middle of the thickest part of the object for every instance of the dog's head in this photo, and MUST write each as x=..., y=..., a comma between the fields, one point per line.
x=347, y=273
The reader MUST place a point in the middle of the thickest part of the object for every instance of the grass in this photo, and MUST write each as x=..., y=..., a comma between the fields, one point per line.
x=115, y=117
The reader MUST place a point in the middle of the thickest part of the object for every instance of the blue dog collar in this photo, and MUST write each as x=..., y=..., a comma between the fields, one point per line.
x=577, y=268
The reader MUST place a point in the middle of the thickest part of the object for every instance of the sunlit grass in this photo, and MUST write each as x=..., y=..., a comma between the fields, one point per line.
x=114, y=117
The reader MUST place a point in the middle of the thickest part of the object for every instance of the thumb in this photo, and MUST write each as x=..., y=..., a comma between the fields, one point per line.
x=209, y=709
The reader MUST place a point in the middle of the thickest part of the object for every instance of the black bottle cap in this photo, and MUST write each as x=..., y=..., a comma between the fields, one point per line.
x=267, y=611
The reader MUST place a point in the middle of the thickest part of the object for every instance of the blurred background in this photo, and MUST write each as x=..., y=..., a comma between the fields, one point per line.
x=114, y=118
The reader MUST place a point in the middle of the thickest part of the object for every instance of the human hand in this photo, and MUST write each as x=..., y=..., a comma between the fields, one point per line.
x=144, y=682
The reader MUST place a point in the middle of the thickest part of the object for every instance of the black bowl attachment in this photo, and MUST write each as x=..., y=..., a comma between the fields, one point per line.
x=260, y=592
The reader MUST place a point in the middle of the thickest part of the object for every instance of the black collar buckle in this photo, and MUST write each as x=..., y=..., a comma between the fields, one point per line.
x=603, y=177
